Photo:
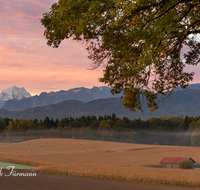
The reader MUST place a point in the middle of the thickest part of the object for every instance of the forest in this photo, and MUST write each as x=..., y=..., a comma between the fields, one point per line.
x=181, y=131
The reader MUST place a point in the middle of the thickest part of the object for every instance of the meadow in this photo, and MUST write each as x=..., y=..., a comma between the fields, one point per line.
x=4, y=165
x=103, y=160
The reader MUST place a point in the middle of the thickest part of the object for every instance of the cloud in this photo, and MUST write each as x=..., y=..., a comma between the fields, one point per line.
x=26, y=60
x=35, y=64
x=20, y=18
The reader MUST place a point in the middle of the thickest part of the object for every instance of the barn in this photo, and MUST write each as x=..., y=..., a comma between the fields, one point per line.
x=173, y=162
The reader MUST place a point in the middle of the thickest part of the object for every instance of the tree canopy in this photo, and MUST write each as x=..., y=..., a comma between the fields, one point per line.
x=139, y=42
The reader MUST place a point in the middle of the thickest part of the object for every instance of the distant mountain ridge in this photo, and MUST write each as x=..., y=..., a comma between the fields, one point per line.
x=13, y=93
x=18, y=102
x=185, y=103
x=191, y=86
x=80, y=94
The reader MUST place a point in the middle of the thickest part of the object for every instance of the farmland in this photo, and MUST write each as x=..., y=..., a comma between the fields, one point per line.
x=103, y=160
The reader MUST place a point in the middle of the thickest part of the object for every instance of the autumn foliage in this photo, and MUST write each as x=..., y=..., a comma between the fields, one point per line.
x=138, y=42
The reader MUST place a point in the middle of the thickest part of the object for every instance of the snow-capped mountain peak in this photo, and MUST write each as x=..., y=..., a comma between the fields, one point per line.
x=13, y=93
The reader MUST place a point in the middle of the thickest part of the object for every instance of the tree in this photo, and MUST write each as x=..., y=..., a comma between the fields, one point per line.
x=139, y=41
x=186, y=164
x=47, y=122
x=105, y=125
x=2, y=125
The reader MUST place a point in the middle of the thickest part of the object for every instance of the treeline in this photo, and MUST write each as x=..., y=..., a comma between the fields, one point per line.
x=166, y=130
x=104, y=123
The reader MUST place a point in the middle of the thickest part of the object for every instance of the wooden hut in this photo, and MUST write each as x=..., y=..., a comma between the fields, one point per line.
x=173, y=162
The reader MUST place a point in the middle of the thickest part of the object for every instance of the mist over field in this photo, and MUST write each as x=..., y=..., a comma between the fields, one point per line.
x=140, y=136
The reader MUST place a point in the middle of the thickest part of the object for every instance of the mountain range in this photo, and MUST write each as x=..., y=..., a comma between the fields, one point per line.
x=80, y=94
x=183, y=102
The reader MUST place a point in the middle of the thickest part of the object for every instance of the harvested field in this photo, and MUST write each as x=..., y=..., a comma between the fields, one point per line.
x=103, y=160
x=51, y=182
x=2, y=143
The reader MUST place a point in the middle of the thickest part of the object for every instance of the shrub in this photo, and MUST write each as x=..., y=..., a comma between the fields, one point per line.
x=186, y=164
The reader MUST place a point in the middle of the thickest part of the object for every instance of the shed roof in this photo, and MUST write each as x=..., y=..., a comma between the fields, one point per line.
x=174, y=160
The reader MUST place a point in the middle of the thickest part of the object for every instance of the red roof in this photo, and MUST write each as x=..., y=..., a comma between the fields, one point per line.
x=174, y=160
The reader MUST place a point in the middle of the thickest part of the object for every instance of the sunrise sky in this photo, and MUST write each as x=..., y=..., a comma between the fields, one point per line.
x=26, y=61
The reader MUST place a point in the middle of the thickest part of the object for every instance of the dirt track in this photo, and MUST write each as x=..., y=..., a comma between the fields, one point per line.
x=55, y=182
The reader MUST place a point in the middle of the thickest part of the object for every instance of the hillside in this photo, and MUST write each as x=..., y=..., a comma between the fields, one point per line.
x=70, y=108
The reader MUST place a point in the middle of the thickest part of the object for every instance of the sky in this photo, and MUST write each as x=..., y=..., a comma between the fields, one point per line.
x=26, y=61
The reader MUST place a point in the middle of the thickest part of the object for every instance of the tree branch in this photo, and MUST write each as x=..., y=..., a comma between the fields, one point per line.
x=163, y=13
x=186, y=13
x=190, y=26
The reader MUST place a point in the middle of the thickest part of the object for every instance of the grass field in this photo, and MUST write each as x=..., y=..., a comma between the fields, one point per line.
x=103, y=160
x=4, y=165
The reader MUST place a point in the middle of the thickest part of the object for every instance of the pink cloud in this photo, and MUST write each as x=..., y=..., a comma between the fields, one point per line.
x=37, y=65
x=26, y=60
x=20, y=18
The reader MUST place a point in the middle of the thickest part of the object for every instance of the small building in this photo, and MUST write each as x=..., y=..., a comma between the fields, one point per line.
x=173, y=162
